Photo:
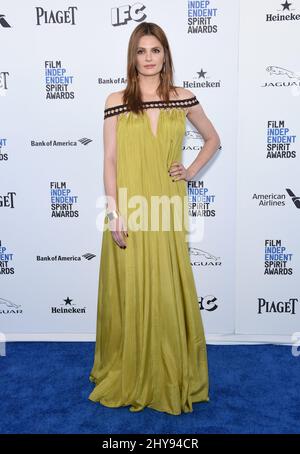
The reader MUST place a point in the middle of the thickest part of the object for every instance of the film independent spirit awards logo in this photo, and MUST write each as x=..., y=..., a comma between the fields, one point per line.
x=201, y=203
x=3, y=145
x=277, y=259
x=6, y=261
x=58, y=82
x=280, y=143
x=63, y=201
x=201, y=17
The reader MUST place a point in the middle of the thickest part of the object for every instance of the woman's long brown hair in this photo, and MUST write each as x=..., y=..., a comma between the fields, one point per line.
x=132, y=94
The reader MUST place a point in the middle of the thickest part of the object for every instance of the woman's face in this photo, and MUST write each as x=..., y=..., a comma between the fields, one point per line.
x=150, y=56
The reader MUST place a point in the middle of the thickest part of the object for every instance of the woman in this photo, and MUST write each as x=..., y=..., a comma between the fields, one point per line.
x=150, y=346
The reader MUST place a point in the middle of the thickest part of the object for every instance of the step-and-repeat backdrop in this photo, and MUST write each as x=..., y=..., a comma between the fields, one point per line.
x=59, y=61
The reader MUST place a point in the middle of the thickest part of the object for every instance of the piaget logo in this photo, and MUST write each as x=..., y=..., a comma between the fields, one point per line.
x=266, y=306
x=44, y=16
x=3, y=82
x=7, y=200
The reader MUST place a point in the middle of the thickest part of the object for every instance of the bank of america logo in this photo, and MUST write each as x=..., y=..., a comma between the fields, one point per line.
x=89, y=256
x=3, y=21
x=84, y=141
x=294, y=198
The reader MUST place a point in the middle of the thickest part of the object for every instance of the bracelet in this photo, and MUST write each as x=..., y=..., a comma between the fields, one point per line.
x=112, y=215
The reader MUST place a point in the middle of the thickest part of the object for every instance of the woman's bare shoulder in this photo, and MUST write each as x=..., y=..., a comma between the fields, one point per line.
x=183, y=93
x=114, y=99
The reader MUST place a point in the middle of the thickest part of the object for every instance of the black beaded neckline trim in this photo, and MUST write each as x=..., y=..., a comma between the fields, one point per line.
x=110, y=111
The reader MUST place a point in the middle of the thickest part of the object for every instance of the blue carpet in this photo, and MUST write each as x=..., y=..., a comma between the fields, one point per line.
x=45, y=388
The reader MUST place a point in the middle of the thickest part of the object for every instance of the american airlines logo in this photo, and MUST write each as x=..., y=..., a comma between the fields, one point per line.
x=3, y=21
x=295, y=199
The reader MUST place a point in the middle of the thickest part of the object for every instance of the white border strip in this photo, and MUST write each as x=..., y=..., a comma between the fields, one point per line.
x=217, y=339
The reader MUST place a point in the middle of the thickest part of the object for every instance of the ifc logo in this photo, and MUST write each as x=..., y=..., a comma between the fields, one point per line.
x=125, y=13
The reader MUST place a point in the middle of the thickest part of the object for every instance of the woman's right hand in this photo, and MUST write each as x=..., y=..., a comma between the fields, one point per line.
x=118, y=231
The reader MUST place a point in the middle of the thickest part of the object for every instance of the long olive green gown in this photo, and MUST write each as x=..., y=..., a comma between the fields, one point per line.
x=150, y=345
